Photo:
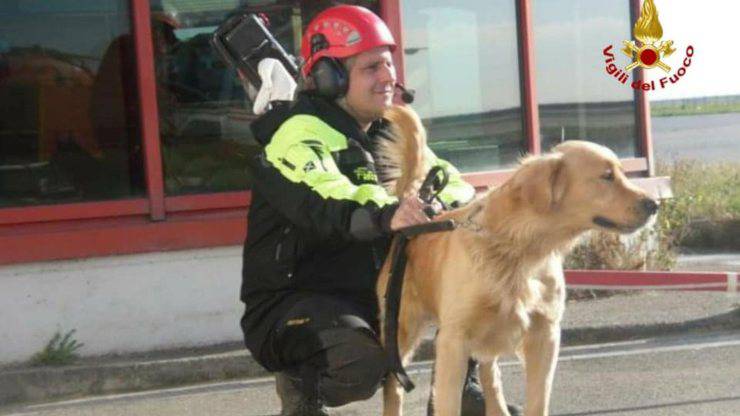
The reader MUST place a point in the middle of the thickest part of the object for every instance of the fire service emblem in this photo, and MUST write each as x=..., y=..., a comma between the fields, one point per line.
x=648, y=31
x=648, y=52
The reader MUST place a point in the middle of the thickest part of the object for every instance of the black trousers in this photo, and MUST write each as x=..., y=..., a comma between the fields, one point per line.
x=329, y=347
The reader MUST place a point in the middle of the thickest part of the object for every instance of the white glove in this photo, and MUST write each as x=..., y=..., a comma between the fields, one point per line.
x=277, y=84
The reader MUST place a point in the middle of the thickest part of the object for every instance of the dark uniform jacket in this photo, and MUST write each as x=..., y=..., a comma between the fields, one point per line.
x=319, y=219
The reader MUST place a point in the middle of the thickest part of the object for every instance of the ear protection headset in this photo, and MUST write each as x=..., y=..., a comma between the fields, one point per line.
x=329, y=76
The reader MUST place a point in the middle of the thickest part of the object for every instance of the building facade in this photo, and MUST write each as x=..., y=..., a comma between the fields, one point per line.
x=124, y=141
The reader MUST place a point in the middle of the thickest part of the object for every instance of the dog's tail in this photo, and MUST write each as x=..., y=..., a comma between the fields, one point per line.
x=401, y=158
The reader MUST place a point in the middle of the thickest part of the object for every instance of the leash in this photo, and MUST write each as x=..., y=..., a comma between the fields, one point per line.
x=433, y=184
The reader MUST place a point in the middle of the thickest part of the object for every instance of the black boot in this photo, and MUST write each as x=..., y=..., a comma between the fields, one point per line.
x=473, y=403
x=293, y=401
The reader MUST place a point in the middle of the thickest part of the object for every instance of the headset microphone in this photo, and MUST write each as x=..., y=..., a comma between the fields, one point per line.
x=407, y=95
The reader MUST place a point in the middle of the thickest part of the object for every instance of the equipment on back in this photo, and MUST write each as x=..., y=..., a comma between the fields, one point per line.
x=243, y=41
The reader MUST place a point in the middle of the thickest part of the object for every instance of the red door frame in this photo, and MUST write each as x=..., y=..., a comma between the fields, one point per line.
x=644, y=134
x=528, y=74
x=161, y=223
x=148, y=111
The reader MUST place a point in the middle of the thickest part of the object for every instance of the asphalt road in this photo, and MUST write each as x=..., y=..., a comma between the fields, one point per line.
x=706, y=137
x=693, y=375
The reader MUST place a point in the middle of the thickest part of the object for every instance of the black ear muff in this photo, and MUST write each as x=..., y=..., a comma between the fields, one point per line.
x=330, y=78
x=328, y=74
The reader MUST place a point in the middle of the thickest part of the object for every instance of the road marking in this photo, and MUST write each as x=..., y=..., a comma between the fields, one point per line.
x=636, y=351
x=574, y=353
x=624, y=348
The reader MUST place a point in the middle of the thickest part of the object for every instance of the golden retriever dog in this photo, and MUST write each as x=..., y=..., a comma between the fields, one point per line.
x=494, y=285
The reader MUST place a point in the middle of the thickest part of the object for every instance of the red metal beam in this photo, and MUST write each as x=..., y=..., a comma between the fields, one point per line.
x=497, y=177
x=239, y=200
x=528, y=74
x=118, y=227
x=641, y=280
x=208, y=201
x=94, y=238
x=148, y=112
x=390, y=12
x=64, y=212
x=644, y=130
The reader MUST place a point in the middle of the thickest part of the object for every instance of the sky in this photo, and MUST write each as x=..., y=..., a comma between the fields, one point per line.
x=470, y=45
x=712, y=27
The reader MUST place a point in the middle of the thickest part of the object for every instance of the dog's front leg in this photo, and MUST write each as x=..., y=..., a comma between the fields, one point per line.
x=493, y=392
x=392, y=396
x=450, y=367
x=541, y=347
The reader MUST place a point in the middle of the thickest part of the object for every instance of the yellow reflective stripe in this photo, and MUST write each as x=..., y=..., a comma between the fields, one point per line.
x=301, y=150
x=303, y=127
x=337, y=186
x=457, y=190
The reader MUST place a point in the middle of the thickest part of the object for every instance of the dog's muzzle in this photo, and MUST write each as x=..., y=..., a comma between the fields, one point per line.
x=648, y=206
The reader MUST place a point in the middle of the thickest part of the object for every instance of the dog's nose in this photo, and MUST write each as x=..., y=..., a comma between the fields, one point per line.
x=649, y=206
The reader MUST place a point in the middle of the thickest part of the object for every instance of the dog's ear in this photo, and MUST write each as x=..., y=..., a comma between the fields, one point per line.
x=544, y=184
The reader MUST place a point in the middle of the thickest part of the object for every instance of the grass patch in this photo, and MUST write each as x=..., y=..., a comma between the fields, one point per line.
x=670, y=109
x=60, y=350
x=705, y=209
x=601, y=250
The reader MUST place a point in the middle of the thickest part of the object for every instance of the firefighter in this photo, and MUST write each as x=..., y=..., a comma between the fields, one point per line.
x=319, y=223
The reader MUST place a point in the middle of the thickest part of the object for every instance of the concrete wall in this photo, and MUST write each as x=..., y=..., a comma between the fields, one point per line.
x=122, y=304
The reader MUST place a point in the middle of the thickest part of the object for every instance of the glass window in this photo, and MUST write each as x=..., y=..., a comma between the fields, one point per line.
x=462, y=59
x=204, y=112
x=68, y=113
x=577, y=99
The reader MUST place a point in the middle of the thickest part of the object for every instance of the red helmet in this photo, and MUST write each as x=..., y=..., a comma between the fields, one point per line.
x=348, y=30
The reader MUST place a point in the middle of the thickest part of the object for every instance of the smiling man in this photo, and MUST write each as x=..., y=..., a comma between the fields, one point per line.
x=319, y=221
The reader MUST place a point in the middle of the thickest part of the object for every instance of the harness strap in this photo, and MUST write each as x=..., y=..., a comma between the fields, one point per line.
x=392, y=308
x=435, y=181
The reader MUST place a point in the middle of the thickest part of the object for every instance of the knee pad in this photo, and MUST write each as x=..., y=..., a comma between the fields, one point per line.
x=356, y=365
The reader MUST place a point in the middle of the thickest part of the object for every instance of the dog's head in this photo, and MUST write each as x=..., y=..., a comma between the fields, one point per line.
x=581, y=185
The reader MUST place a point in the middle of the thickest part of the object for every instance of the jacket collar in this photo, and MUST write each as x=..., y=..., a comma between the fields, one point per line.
x=327, y=110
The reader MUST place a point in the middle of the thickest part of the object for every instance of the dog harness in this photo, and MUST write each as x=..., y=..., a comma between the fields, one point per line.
x=434, y=183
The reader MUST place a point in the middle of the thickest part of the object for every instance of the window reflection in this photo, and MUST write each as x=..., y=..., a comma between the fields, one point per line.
x=204, y=112
x=67, y=133
x=577, y=99
x=461, y=57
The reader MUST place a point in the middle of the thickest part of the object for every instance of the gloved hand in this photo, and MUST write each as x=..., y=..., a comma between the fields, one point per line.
x=277, y=85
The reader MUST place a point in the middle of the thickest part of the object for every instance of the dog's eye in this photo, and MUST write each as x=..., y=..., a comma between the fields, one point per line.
x=608, y=176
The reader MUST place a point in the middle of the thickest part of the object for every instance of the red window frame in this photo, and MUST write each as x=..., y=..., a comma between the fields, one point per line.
x=161, y=223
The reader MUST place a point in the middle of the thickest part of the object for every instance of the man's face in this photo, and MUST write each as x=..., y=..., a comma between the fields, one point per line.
x=372, y=79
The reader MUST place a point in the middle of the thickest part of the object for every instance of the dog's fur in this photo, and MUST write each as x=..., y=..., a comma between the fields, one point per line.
x=495, y=285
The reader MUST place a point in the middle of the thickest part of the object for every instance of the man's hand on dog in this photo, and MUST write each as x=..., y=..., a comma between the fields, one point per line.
x=410, y=212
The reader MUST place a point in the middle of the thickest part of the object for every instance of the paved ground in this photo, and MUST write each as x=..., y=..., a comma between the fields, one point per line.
x=707, y=137
x=624, y=316
x=687, y=375
x=709, y=262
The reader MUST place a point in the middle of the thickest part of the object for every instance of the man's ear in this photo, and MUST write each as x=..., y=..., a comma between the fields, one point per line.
x=544, y=184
